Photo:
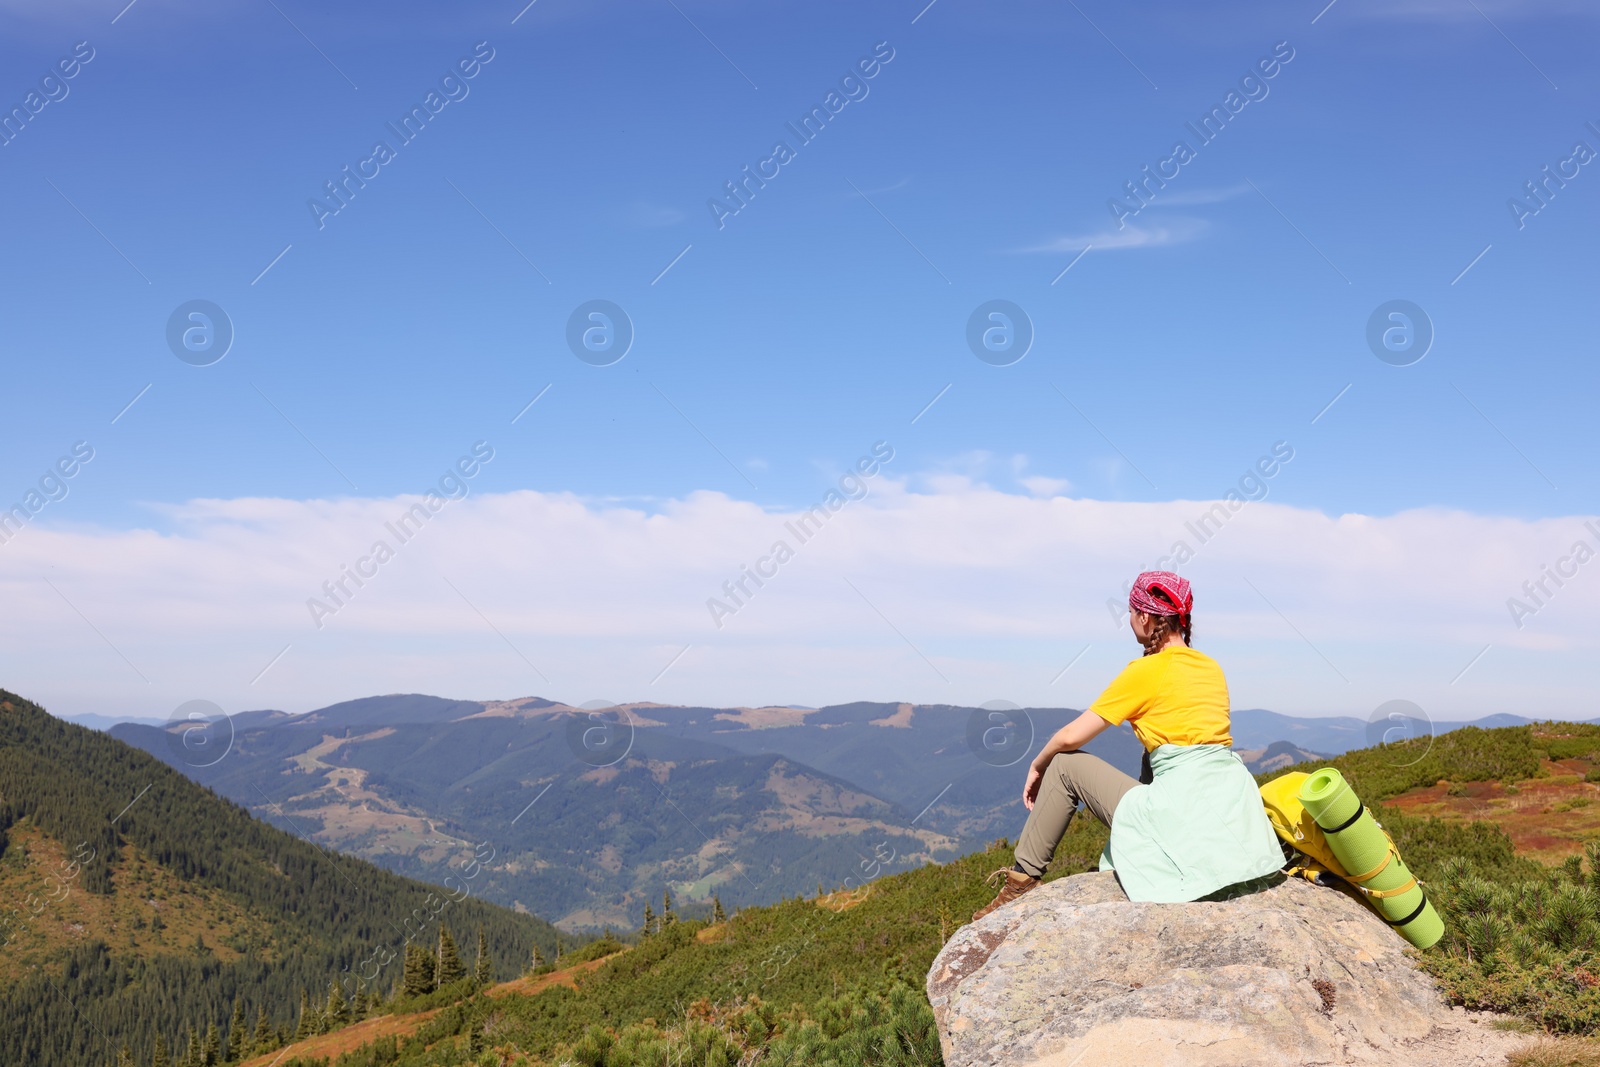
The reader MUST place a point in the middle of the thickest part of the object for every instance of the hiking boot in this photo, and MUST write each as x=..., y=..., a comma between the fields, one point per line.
x=1016, y=884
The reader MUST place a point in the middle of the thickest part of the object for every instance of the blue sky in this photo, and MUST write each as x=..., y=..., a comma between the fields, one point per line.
x=833, y=307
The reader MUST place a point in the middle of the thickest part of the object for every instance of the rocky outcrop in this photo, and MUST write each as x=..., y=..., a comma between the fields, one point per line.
x=1075, y=974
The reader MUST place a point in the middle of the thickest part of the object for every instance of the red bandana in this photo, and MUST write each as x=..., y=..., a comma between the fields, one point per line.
x=1140, y=597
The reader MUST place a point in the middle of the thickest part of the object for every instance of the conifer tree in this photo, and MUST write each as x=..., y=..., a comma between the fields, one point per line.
x=649, y=920
x=483, y=971
x=538, y=960
x=191, y=1052
x=667, y=917
x=237, y=1037
x=448, y=968
x=211, y=1054
x=302, y=1029
x=125, y=1056
x=717, y=914
x=419, y=968
x=338, y=1011
x=264, y=1040
x=160, y=1059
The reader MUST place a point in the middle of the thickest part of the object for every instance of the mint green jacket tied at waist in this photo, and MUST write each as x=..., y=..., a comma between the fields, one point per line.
x=1197, y=828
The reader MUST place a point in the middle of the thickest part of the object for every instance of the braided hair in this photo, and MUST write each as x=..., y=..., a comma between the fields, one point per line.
x=1162, y=626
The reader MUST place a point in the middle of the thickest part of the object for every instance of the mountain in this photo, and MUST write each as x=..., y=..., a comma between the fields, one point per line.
x=1276, y=757
x=106, y=722
x=750, y=804
x=1331, y=735
x=137, y=902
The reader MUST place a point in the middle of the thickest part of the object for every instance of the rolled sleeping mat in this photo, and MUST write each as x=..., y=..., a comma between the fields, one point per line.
x=1375, y=866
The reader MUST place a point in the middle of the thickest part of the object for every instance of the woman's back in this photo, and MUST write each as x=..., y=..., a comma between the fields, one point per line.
x=1177, y=696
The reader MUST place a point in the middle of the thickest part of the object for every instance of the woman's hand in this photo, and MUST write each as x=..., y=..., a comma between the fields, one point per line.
x=1030, y=790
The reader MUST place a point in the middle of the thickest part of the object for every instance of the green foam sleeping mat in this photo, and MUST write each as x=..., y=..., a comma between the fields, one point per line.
x=1364, y=850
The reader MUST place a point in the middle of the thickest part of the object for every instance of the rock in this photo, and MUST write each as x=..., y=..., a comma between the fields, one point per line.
x=1073, y=973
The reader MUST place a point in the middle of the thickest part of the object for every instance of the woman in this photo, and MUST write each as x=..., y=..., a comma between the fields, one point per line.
x=1197, y=829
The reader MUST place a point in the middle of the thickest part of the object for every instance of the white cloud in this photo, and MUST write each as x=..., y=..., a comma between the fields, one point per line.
x=1039, y=485
x=1174, y=231
x=998, y=590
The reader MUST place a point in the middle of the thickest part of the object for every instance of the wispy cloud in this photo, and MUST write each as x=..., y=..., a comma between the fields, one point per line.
x=1173, y=232
x=990, y=583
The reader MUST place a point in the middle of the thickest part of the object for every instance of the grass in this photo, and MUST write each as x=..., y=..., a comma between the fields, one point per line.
x=1558, y=1052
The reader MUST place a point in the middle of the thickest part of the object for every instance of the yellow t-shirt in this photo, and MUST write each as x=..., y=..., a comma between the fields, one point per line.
x=1176, y=697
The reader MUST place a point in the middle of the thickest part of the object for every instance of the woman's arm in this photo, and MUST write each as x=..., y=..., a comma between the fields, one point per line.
x=1069, y=738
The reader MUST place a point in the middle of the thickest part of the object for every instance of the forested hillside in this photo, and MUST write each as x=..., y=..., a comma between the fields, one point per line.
x=138, y=904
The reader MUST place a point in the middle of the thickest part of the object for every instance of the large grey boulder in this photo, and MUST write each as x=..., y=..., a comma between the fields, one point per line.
x=1075, y=974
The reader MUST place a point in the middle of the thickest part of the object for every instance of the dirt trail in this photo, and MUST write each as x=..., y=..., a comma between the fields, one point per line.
x=354, y=1036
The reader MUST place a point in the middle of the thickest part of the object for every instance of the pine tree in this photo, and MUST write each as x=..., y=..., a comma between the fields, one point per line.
x=264, y=1040
x=667, y=917
x=449, y=968
x=125, y=1056
x=419, y=969
x=338, y=1012
x=191, y=1052
x=237, y=1042
x=160, y=1059
x=538, y=960
x=484, y=970
x=717, y=914
x=212, y=1053
x=358, y=1005
x=649, y=920
x=302, y=1029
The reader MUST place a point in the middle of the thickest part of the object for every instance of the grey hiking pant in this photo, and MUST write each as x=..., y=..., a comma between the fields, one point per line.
x=1072, y=778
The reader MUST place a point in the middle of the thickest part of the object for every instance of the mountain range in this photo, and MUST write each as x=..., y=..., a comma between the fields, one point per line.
x=596, y=812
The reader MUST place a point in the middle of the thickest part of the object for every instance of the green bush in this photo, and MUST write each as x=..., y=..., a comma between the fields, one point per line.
x=1528, y=945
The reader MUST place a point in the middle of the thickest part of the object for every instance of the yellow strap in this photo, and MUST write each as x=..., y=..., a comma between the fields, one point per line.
x=1393, y=854
x=1359, y=878
x=1381, y=893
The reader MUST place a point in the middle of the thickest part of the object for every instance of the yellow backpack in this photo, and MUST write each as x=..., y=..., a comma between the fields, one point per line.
x=1296, y=827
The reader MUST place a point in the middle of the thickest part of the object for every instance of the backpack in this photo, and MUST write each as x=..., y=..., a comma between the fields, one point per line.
x=1299, y=831
x=1296, y=828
